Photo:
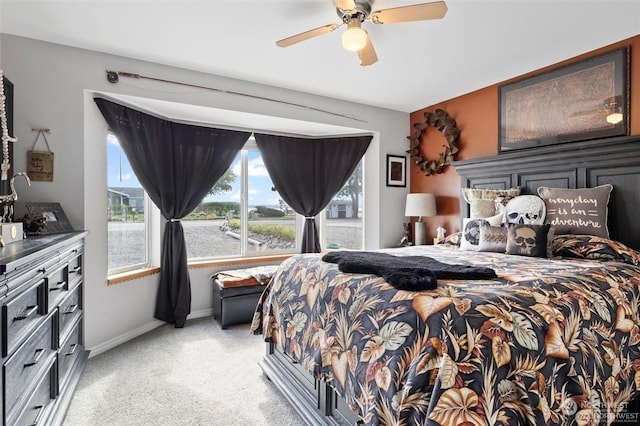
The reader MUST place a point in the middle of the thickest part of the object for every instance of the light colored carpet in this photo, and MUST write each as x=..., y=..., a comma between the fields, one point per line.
x=197, y=375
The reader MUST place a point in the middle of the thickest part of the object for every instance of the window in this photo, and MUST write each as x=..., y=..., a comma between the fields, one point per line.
x=127, y=213
x=242, y=215
x=343, y=224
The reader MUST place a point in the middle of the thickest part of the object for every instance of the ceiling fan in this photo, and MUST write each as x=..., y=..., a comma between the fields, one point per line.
x=354, y=12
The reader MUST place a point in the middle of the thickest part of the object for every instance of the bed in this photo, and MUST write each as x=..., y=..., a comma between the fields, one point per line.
x=549, y=341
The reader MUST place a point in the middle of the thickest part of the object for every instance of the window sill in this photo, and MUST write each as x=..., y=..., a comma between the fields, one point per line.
x=140, y=273
x=239, y=261
x=132, y=275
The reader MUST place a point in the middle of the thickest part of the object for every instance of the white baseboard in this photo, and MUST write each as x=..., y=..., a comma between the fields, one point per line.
x=201, y=314
x=110, y=344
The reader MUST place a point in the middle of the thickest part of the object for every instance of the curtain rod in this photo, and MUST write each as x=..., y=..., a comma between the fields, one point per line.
x=113, y=77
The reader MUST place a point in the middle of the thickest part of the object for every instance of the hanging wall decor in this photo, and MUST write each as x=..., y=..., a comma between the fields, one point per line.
x=445, y=125
x=396, y=170
x=6, y=121
x=40, y=163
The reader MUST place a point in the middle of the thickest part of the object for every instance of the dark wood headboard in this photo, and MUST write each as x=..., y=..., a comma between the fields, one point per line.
x=572, y=165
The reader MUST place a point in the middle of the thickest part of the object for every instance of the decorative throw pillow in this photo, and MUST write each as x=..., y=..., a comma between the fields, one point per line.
x=482, y=202
x=578, y=211
x=525, y=209
x=481, y=208
x=498, y=219
x=527, y=240
x=493, y=238
x=471, y=232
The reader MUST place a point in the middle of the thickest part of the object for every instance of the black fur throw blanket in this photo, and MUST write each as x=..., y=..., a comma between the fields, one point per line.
x=412, y=273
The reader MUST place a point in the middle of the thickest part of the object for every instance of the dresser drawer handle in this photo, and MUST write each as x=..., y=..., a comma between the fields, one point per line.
x=36, y=358
x=72, y=349
x=61, y=285
x=28, y=311
x=76, y=270
x=39, y=416
x=71, y=309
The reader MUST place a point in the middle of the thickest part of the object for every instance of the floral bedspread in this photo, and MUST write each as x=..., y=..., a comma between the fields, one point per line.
x=548, y=342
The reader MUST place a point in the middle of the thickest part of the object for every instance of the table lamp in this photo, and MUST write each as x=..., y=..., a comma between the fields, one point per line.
x=420, y=205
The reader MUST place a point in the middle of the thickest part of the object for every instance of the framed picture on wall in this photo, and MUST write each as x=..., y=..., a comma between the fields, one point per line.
x=396, y=170
x=588, y=99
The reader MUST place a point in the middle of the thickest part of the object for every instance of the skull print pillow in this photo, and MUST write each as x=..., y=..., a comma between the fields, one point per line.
x=527, y=240
x=525, y=209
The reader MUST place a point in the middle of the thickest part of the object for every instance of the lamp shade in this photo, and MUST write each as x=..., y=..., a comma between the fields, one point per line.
x=420, y=205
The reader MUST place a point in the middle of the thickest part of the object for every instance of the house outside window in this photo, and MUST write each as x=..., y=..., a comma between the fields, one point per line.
x=343, y=218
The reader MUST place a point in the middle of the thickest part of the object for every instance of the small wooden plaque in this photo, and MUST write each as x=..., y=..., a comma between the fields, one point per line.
x=40, y=165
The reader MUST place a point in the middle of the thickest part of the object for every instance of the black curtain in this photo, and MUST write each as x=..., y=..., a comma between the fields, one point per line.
x=177, y=164
x=307, y=173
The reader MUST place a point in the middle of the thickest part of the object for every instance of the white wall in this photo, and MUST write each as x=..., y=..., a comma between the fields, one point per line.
x=54, y=88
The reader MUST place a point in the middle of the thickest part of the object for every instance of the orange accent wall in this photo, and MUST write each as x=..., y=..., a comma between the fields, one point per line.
x=476, y=115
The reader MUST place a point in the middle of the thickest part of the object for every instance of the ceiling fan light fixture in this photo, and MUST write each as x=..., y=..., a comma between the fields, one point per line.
x=614, y=118
x=354, y=38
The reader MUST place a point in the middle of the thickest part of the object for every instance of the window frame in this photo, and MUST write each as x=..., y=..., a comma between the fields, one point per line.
x=148, y=205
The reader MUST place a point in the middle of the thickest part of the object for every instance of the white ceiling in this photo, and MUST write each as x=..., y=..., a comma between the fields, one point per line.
x=477, y=44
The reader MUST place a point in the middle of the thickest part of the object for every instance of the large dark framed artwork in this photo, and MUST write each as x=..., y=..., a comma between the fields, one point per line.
x=396, y=170
x=584, y=100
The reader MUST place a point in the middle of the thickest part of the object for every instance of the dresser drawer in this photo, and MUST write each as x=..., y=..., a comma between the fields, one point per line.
x=28, y=361
x=75, y=266
x=56, y=286
x=69, y=310
x=68, y=353
x=20, y=315
x=38, y=408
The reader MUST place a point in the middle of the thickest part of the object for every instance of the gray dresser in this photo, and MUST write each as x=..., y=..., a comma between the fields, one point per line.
x=43, y=354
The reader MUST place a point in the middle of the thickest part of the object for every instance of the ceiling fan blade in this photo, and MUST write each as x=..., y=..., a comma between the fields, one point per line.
x=285, y=42
x=345, y=5
x=367, y=54
x=416, y=12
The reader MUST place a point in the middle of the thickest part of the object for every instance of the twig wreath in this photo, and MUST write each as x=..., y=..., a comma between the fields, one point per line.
x=445, y=125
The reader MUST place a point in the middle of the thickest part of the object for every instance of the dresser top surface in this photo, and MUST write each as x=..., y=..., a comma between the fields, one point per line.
x=14, y=254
